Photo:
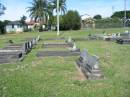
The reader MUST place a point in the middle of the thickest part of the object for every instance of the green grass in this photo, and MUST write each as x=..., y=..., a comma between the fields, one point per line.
x=58, y=77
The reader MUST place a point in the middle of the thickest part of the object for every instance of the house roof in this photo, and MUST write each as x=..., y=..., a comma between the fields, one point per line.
x=14, y=23
x=31, y=22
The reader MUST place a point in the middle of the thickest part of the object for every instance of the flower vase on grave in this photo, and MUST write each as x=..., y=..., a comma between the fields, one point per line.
x=74, y=47
x=69, y=40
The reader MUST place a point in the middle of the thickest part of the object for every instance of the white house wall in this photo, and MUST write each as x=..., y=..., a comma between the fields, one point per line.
x=16, y=28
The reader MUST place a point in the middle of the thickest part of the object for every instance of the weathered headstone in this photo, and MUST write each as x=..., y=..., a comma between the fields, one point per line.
x=124, y=38
x=89, y=65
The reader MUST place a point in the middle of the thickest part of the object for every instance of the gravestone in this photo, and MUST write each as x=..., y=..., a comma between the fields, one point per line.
x=124, y=38
x=89, y=66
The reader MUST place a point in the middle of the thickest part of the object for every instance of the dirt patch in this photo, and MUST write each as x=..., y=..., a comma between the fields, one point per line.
x=79, y=75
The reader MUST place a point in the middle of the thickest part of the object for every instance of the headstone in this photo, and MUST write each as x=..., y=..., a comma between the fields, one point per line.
x=89, y=65
x=124, y=38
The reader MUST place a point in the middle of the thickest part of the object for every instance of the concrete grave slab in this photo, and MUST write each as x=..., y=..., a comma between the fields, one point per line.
x=57, y=53
x=56, y=44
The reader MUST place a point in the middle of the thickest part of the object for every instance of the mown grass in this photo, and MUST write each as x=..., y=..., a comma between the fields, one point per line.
x=58, y=77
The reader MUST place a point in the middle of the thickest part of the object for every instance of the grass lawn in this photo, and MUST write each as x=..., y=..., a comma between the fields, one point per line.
x=59, y=77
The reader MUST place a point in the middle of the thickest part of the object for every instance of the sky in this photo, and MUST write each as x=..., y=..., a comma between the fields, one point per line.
x=18, y=8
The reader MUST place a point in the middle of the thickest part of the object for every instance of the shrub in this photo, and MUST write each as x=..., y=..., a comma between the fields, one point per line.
x=70, y=21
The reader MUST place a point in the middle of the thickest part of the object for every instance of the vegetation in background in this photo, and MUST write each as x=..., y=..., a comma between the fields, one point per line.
x=70, y=21
x=97, y=17
x=23, y=19
x=120, y=14
x=109, y=23
x=2, y=9
x=42, y=10
x=2, y=24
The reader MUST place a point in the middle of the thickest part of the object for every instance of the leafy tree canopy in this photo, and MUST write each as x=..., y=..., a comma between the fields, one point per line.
x=2, y=8
x=71, y=21
x=120, y=14
x=97, y=17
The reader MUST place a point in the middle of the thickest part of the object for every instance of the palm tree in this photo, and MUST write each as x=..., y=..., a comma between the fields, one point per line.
x=62, y=6
x=38, y=11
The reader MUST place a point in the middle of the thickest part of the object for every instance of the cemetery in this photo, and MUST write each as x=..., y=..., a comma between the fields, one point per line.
x=56, y=66
x=64, y=48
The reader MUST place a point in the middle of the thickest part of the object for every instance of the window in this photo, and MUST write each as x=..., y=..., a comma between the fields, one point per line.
x=12, y=26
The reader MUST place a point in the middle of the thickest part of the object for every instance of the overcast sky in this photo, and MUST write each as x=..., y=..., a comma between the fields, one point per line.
x=17, y=8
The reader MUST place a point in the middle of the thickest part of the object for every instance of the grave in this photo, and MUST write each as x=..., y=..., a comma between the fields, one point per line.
x=56, y=44
x=7, y=56
x=89, y=66
x=80, y=39
x=62, y=38
x=24, y=47
x=15, y=52
x=57, y=53
x=124, y=38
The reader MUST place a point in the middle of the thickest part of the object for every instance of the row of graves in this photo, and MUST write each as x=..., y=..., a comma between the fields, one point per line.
x=88, y=64
x=14, y=52
x=69, y=48
x=121, y=38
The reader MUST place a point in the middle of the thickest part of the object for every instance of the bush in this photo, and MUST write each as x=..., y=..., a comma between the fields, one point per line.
x=109, y=23
x=70, y=21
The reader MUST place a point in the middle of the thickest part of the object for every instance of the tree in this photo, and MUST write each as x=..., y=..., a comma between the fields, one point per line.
x=2, y=8
x=2, y=26
x=71, y=21
x=97, y=17
x=23, y=19
x=62, y=6
x=120, y=14
x=38, y=11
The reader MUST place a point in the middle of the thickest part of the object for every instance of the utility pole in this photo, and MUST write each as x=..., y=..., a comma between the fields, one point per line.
x=125, y=13
x=113, y=9
x=58, y=32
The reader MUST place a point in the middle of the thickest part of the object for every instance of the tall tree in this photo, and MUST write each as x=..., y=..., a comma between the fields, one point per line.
x=2, y=8
x=62, y=6
x=38, y=11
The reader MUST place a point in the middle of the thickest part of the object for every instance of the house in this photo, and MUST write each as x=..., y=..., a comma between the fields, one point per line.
x=32, y=24
x=15, y=26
